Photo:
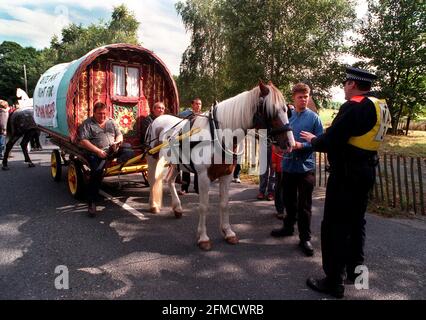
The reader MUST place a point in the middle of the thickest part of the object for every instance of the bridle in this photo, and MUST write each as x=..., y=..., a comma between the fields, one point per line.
x=261, y=120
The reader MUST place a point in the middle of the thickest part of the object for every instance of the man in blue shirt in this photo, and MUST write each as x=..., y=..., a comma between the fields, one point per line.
x=298, y=172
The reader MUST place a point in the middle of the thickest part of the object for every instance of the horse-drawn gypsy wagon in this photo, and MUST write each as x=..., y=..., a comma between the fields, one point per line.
x=127, y=78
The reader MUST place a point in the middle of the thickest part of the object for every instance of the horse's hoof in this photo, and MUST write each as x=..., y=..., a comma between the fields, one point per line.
x=232, y=240
x=154, y=210
x=205, y=245
x=178, y=214
x=31, y=165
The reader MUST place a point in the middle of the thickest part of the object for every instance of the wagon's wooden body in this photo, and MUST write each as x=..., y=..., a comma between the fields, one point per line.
x=129, y=79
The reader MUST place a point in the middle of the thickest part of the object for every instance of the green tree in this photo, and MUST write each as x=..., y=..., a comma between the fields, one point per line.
x=77, y=40
x=236, y=42
x=201, y=73
x=13, y=57
x=393, y=43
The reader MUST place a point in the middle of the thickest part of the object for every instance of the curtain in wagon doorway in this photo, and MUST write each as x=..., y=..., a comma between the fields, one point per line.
x=119, y=80
x=132, y=82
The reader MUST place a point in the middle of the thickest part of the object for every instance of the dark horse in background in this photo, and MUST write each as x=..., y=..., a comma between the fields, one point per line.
x=20, y=124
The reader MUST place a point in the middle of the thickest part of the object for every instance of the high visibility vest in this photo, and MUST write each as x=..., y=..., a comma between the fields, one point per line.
x=372, y=139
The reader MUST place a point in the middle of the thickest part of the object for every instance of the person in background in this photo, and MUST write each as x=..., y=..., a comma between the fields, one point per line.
x=35, y=142
x=351, y=143
x=4, y=116
x=298, y=172
x=277, y=158
x=196, y=106
x=157, y=110
x=236, y=174
x=267, y=179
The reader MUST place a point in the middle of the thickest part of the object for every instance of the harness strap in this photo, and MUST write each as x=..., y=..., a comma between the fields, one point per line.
x=285, y=128
x=191, y=167
x=214, y=124
x=147, y=144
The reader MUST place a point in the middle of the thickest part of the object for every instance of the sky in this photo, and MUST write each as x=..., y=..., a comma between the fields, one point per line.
x=34, y=22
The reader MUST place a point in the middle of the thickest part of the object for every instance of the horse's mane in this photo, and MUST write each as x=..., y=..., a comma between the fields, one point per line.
x=237, y=112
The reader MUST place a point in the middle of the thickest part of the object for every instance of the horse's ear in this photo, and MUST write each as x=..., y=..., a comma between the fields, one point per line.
x=264, y=90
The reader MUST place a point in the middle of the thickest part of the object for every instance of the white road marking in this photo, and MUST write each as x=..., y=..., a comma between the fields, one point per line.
x=125, y=206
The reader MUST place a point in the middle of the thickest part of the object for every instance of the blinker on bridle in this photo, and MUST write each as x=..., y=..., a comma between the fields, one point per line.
x=262, y=121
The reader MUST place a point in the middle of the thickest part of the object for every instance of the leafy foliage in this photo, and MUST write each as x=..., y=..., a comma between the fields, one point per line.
x=393, y=42
x=78, y=40
x=236, y=42
x=13, y=57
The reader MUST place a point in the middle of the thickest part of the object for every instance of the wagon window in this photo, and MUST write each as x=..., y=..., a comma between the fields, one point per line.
x=132, y=82
x=119, y=80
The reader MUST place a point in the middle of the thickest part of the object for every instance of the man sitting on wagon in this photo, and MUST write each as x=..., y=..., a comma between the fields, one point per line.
x=101, y=136
x=157, y=110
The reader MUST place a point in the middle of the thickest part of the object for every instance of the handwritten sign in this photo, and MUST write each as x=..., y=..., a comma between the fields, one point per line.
x=45, y=93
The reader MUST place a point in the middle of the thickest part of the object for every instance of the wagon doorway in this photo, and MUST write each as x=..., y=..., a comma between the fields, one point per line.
x=127, y=99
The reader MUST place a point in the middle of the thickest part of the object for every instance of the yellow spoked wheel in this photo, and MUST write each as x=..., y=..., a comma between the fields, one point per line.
x=75, y=179
x=56, y=165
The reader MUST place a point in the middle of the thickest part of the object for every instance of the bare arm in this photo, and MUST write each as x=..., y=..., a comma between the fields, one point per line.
x=298, y=145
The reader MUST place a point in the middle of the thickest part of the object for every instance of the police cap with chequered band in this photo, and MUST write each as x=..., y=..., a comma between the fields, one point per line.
x=353, y=73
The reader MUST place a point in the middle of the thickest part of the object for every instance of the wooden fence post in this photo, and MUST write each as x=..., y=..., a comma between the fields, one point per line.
x=376, y=190
x=393, y=182
x=388, y=199
x=413, y=185
x=380, y=181
x=398, y=176
x=407, y=193
x=422, y=202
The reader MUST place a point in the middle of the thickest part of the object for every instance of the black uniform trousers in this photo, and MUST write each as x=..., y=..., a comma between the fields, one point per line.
x=343, y=225
x=297, y=191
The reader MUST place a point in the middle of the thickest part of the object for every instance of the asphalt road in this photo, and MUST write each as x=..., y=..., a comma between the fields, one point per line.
x=132, y=254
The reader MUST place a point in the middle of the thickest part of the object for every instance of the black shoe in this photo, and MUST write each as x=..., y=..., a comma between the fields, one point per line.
x=307, y=248
x=323, y=285
x=92, y=210
x=282, y=232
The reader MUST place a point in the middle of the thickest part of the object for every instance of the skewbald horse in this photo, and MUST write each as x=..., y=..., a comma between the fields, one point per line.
x=263, y=107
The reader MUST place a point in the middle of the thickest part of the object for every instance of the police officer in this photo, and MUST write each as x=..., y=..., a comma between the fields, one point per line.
x=351, y=143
